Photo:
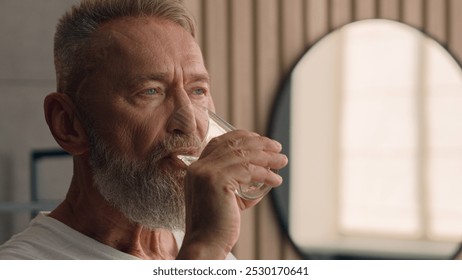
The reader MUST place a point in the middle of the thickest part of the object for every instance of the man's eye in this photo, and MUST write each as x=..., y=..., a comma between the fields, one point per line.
x=151, y=91
x=199, y=91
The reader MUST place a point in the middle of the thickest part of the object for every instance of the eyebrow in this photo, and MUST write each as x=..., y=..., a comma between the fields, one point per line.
x=150, y=77
x=202, y=77
x=198, y=77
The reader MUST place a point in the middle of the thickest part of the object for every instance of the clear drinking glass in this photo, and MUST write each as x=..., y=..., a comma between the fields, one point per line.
x=216, y=127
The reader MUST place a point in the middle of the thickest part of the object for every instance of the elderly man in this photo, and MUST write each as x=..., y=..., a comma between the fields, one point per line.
x=130, y=76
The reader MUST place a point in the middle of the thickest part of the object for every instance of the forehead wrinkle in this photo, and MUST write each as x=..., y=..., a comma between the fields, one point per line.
x=139, y=32
x=135, y=30
x=113, y=41
x=114, y=46
x=128, y=24
x=118, y=34
x=117, y=43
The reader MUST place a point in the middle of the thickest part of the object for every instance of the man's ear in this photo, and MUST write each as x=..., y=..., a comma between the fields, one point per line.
x=65, y=126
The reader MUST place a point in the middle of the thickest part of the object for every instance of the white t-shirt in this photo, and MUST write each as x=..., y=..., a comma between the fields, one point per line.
x=49, y=239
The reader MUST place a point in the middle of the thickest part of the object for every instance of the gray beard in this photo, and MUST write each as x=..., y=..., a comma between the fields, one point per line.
x=148, y=192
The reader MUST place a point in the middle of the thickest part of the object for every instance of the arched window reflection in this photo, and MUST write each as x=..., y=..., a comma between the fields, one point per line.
x=399, y=149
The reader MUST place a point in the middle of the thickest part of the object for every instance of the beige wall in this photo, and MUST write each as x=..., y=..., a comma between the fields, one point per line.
x=249, y=45
x=26, y=76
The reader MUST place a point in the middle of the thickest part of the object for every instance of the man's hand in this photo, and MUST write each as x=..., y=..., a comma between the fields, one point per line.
x=212, y=208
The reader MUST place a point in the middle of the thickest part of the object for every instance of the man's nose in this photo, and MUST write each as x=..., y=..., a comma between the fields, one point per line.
x=182, y=120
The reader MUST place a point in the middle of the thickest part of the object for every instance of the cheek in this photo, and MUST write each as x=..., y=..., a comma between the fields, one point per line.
x=129, y=133
x=130, y=130
x=144, y=135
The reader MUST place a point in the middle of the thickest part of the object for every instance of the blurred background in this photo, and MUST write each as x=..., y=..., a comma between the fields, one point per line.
x=250, y=47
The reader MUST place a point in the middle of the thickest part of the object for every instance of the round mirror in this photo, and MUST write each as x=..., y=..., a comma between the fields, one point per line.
x=370, y=118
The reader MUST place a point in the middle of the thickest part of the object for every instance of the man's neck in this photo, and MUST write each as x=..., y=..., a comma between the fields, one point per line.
x=86, y=211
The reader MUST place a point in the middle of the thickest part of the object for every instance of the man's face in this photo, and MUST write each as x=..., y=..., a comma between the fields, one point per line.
x=147, y=77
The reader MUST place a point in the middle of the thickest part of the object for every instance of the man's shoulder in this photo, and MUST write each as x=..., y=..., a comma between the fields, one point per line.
x=28, y=244
x=19, y=251
x=48, y=238
x=44, y=238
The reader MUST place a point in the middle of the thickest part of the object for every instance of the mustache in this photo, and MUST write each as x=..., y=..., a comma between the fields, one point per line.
x=101, y=153
x=173, y=143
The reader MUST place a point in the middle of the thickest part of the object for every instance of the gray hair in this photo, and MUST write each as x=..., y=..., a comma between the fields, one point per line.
x=72, y=43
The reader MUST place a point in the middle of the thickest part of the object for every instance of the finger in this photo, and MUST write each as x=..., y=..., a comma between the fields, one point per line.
x=245, y=174
x=266, y=159
x=255, y=141
x=230, y=157
x=266, y=176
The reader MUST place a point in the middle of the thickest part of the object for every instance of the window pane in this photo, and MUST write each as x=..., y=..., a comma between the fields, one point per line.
x=378, y=188
x=444, y=134
x=378, y=196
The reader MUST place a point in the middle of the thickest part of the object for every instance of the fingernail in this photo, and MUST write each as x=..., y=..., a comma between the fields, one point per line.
x=278, y=144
